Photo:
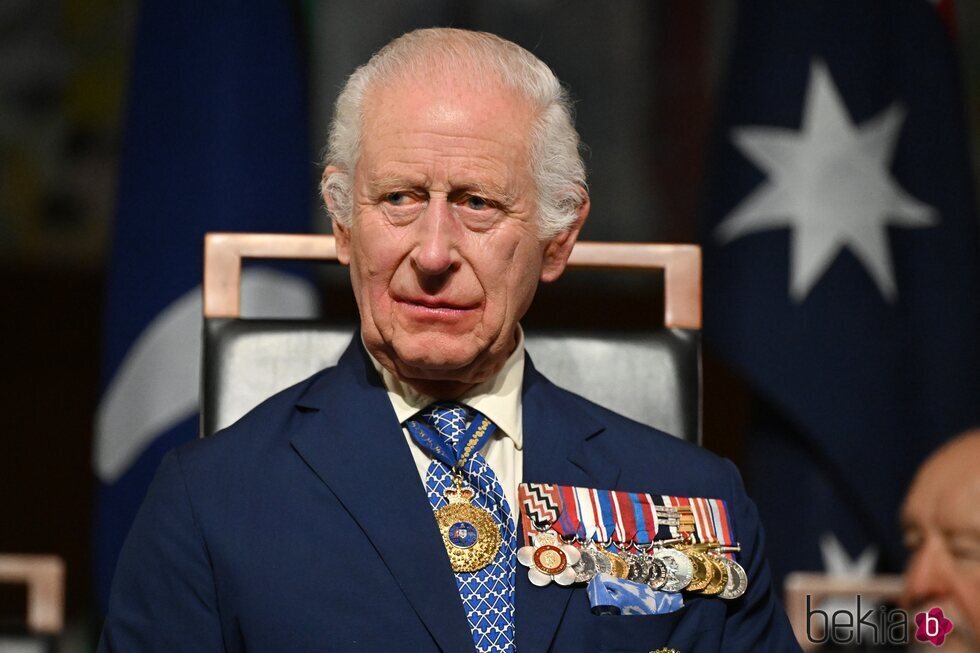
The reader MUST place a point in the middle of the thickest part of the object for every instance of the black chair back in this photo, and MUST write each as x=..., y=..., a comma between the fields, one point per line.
x=652, y=376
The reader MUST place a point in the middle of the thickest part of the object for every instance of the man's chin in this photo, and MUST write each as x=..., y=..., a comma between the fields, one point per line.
x=437, y=358
x=435, y=364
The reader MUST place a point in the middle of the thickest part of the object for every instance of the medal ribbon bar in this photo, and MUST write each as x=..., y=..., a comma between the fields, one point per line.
x=622, y=518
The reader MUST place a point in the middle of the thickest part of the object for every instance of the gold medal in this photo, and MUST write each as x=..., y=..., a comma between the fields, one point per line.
x=702, y=575
x=470, y=534
x=719, y=576
x=619, y=567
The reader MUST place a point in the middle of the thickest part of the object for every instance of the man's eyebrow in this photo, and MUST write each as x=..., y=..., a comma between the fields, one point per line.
x=908, y=520
x=963, y=530
x=490, y=191
x=387, y=184
x=392, y=183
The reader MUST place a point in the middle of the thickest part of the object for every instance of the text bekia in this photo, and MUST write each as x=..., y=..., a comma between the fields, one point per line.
x=878, y=626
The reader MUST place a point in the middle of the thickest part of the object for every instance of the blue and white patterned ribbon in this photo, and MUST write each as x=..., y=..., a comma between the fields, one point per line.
x=610, y=595
x=487, y=594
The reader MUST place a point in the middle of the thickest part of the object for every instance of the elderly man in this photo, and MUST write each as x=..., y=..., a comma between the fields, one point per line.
x=941, y=519
x=454, y=184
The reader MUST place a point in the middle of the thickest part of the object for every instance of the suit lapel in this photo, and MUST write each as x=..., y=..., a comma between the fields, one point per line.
x=350, y=438
x=561, y=446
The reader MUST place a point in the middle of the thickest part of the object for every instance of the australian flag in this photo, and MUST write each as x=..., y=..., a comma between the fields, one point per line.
x=841, y=267
x=215, y=139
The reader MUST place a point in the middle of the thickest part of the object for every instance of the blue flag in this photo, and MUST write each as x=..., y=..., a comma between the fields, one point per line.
x=215, y=139
x=841, y=269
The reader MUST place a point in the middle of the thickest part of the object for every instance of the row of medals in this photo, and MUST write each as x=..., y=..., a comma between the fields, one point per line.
x=675, y=565
x=668, y=565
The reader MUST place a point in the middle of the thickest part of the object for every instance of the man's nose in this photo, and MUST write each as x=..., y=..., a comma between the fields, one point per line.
x=435, y=248
x=927, y=575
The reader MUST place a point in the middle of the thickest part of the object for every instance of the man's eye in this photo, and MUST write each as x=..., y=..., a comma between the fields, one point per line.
x=477, y=203
x=965, y=547
x=397, y=198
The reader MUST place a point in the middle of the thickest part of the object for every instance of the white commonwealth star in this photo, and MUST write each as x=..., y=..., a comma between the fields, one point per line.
x=830, y=183
x=837, y=562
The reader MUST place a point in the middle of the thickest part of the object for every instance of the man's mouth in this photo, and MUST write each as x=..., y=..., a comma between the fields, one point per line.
x=435, y=306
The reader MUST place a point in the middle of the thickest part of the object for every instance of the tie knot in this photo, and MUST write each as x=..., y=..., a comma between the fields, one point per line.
x=448, y=418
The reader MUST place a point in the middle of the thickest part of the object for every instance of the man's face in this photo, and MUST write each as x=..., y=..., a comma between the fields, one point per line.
x=444, y=248
x=941, y=519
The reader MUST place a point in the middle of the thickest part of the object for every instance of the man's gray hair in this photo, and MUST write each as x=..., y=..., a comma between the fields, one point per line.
x=555, y=162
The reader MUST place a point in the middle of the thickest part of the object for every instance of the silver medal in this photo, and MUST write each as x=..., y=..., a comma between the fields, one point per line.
x=585, y=568
x=640, y=565
x=658, y=574
x=680, y=571
x=602, y=563
x=738, y=580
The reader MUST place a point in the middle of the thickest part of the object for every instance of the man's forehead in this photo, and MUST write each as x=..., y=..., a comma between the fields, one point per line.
x=946, y=493
x=486, y=128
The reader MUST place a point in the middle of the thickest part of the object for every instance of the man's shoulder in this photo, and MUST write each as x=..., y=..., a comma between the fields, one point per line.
x=643, y=447
x=265, y=428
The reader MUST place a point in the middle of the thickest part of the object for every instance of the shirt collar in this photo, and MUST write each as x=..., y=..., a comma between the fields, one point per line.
x=499, y=397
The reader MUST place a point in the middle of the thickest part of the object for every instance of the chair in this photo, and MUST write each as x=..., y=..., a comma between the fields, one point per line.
x=44, y=576
x=653, y=376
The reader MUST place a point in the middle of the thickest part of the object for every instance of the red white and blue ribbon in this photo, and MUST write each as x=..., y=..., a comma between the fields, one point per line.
x=621, y=518
x=711, y=518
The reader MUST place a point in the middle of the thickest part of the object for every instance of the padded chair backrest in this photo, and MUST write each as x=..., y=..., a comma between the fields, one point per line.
x=652, y=376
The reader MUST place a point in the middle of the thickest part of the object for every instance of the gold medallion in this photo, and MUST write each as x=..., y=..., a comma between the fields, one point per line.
x=620, y=568
x=470, y=534
x=702, y=575
x=719, y=576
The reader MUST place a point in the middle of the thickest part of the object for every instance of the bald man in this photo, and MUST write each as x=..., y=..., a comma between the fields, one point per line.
x=941, y=522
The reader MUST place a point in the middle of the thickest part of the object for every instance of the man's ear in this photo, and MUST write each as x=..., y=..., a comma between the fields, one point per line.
x=341, y=232
x=559, y=248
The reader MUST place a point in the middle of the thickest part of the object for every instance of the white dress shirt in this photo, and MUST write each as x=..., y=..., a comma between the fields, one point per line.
x=499, y=398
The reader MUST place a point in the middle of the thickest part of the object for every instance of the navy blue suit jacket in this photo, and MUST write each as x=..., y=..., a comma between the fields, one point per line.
x=304, y=527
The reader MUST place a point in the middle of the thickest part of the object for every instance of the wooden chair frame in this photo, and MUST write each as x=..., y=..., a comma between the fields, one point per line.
x=44, y=576
x=223, y=254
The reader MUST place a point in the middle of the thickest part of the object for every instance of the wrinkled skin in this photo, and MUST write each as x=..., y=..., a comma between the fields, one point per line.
x=941, y=521
x=444, y=248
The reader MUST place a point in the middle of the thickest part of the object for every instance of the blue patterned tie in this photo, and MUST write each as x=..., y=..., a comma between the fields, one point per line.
x=487, y=594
